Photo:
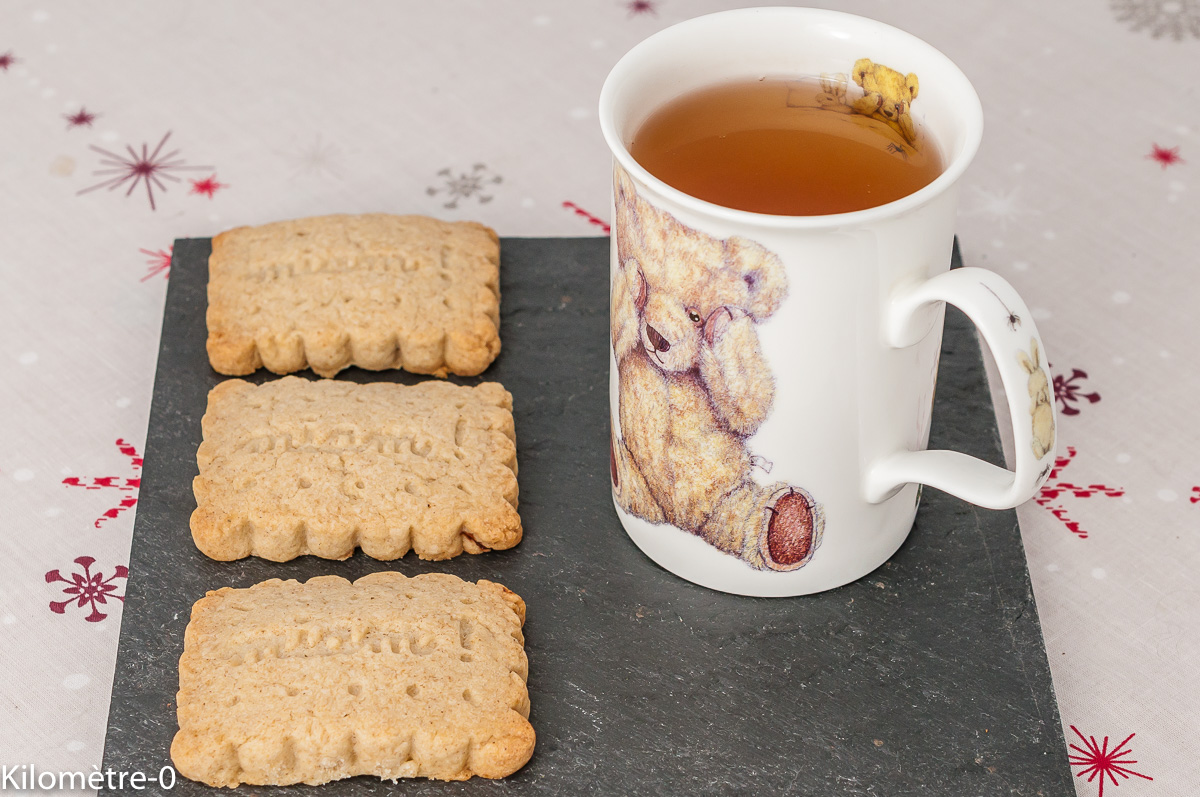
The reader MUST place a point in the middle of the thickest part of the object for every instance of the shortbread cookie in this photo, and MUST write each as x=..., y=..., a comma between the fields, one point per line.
x=295, y=467
x=389, y=676
x=376, y=291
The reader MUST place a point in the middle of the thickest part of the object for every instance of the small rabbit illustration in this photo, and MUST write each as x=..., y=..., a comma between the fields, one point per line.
x=833, y=92
x=1041, y=409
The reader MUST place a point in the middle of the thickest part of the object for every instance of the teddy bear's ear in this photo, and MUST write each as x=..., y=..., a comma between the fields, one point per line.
x=627, y=230
x=862, y=67
x=913, y=85
x=623, y=193
x=762, y=275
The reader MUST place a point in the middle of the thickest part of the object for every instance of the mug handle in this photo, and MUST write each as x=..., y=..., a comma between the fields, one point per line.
x=1008, y=329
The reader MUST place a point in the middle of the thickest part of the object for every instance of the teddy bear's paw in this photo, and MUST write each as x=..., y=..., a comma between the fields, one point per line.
x=792, y=532
x=716, y=324
x=612, y=464
x=868, y=104
x=761, y=462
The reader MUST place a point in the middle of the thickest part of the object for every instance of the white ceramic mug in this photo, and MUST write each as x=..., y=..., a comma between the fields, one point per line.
x=772, y=377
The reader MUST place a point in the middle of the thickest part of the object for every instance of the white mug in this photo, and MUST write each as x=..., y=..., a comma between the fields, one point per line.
x=772, y=377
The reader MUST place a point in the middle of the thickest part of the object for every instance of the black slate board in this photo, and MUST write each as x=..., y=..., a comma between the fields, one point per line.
x=927, y=677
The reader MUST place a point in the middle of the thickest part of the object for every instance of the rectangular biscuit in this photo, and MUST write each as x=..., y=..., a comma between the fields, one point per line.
x=389, y=676
x=294, y=467
x=377, y=291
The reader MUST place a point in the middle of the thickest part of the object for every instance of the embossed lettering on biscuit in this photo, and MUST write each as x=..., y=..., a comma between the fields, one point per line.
x=294, y=467
x=377, y=291
x=389, y=676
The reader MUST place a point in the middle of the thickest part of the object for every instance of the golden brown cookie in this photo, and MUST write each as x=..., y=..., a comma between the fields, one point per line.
x=389, y=676
x=377, y=291
x=295, y=467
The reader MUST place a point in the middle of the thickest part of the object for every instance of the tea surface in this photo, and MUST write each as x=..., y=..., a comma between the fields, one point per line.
x=782, y=146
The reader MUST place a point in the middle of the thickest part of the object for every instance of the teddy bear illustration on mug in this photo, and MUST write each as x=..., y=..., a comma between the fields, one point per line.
x=693, y=387
x=887, y=95
x=1040, y=408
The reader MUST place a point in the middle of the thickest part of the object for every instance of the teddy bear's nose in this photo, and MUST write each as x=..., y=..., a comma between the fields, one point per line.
x=656, y=340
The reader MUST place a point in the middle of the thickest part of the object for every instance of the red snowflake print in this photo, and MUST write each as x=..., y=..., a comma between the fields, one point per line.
x=159, y=262
x=1098, y=760
x=81, y=118
x=591, y=219
x=208, y=186
x=1195, y=497
x=6, y=60
x=1053, y=489
x=126, y=484
x=1067, y=393
x=87, y=588
x=638, y=7
x=149, y=168
x=1165, y=156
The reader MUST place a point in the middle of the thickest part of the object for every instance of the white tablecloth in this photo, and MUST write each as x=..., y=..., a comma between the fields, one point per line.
x=1084, y=196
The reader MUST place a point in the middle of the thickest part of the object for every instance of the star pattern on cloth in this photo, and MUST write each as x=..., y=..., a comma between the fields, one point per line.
x=1165, y=156
x=81, y=118
x=147, y=168
x=208, y=186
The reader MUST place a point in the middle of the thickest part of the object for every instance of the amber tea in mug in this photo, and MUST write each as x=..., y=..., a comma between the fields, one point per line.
x=790, y=147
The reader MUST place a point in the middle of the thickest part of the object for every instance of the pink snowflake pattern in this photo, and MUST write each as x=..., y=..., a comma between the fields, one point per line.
x=125, y=484
x=1165, y=156
x=159, y=262
x=1098, y=760
x=81, y=118
x=87, y=588
x=1195, y=497
x=639, y=7
x=6, y=60
x=599, y=222
x=1067, y=393
x=208, y=186
x=149, y=168
x=1053, y=489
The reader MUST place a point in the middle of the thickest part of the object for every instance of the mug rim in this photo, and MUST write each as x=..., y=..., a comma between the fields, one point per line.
x=972, y=112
